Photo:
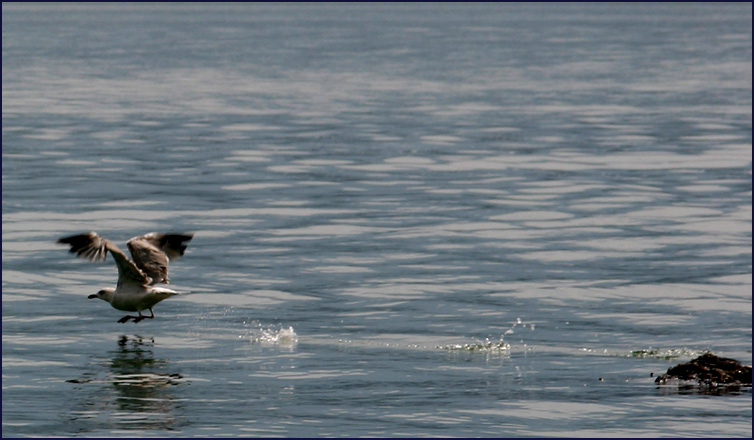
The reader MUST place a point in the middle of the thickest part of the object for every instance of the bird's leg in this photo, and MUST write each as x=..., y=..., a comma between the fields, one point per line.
x=144, y=317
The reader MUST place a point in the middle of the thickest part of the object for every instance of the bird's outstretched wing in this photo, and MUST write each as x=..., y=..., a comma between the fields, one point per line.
x=172, y=244
x=89, y=246
x=152, y=252
x=94, y=248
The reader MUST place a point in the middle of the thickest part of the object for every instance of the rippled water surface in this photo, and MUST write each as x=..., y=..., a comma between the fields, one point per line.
x=481, y=220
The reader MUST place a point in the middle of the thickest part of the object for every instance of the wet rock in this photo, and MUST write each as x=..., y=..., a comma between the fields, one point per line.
x=708, y=371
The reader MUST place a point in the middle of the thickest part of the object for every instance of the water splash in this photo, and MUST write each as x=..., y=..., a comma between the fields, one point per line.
x=488, y=345
x=671, y=353
x=269, y=334
x=282, y=336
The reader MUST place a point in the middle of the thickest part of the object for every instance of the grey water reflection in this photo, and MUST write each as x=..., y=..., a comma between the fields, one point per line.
x=132, y=389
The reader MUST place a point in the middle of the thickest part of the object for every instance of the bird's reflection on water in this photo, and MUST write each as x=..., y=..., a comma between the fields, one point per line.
x=134, y=390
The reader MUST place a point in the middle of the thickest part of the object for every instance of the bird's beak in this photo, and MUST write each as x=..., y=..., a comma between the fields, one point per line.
x=92, y=296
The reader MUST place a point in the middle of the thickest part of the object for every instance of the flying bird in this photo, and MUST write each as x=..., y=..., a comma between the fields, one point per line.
x=136, y=289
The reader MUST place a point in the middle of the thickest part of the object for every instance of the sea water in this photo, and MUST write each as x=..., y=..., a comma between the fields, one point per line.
x=467, y=220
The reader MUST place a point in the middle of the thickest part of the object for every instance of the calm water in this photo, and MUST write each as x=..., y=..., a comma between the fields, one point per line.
x=411, y=219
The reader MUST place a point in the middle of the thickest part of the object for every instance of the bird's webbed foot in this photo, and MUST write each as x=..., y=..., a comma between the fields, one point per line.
x=136, y=318
x=127, y=317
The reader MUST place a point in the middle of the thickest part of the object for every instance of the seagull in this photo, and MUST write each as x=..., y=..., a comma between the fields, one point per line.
x=135, y=291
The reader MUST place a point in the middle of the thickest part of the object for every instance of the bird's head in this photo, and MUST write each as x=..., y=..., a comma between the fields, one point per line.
x=104, y=294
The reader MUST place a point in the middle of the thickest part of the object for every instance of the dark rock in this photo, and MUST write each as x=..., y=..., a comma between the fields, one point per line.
x=708, y=370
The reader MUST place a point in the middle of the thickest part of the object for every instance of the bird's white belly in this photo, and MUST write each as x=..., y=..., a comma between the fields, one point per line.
x=128, y=302
x=133, y=300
